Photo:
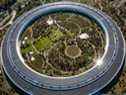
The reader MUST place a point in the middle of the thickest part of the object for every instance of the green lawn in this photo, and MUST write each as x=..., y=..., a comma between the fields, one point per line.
x=44, y=42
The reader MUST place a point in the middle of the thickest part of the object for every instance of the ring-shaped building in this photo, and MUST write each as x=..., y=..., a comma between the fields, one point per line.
x=30, y=82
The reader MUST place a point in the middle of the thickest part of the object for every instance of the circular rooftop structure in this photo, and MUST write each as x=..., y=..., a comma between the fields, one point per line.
x=44, y=53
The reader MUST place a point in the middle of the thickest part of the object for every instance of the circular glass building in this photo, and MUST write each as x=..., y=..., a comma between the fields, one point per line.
x=62, y=48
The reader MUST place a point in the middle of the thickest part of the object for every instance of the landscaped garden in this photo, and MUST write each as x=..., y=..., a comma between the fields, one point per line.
x=62, y=44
